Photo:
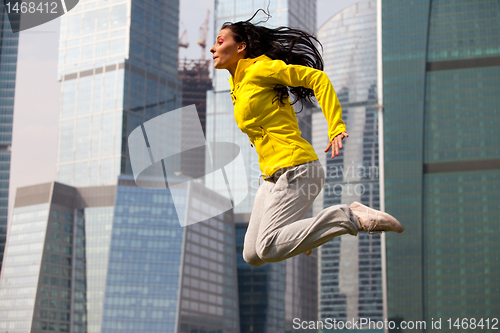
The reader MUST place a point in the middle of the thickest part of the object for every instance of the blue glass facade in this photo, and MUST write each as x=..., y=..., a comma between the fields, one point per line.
x=350, y=267
x=441, y=65
x=115, y=259
x=271, y=296
x=79, y=300
x=261, y=294
x=98, y=227
x=8, y=62
x=142, y=281
x=22, y=266
x=127, y=265
x=53, y=301
x=209, y=295
x=118, y=66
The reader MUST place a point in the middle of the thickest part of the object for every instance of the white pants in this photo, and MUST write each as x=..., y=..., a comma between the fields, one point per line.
x=276, y=232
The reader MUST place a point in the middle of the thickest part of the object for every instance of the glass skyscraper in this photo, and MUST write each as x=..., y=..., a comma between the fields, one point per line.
x=441, y=72
x=261, y=292
x=93, y=252
x=118, y=66
x=195, y=84
x=115, y=259
x=350, y=267
x=8, y=62
x=272, y=295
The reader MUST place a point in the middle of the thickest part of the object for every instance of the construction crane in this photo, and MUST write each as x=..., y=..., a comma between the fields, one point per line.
x=182, y=43
x=202, y=41
x=181, y=38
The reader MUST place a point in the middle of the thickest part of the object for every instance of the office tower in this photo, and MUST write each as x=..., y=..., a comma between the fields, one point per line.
x=350, y=267
x=194, y=75
x=441, y=72
x=271, y=296
x=8, y=62
x=115, y=259
x=261, y=291
x=263, y=304
x=195, y=84
x=118, y=66
x=99, y=254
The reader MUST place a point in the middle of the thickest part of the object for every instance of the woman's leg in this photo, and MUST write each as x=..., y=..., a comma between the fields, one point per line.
x=276, y=231
x=249, y=251
x=281, y=232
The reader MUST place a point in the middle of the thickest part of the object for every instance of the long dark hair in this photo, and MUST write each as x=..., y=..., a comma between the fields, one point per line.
x=293, y=46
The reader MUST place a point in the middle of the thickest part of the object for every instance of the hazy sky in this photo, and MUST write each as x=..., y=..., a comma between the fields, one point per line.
x=36, y=108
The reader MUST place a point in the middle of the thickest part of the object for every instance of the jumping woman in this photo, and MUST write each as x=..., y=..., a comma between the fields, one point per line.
x=265, y=65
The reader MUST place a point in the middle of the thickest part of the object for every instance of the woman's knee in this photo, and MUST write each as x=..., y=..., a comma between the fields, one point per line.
x=252, y=258
x=267, y=256
x=265, y=251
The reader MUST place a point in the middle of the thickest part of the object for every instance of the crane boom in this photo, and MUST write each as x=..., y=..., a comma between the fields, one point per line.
x=202, y=41
x=181, y=43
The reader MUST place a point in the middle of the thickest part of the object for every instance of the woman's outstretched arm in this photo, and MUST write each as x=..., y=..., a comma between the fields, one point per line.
x=278, y=72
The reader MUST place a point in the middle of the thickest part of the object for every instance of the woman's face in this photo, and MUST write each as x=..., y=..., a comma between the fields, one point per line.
x=225, y=51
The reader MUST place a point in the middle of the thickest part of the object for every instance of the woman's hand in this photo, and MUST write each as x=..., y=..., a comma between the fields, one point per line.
x=336, y=144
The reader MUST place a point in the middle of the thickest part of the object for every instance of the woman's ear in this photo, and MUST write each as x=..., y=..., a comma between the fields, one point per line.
x=242, y=47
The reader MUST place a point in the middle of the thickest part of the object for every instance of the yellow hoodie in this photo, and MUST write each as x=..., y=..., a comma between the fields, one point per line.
x=272, y=127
